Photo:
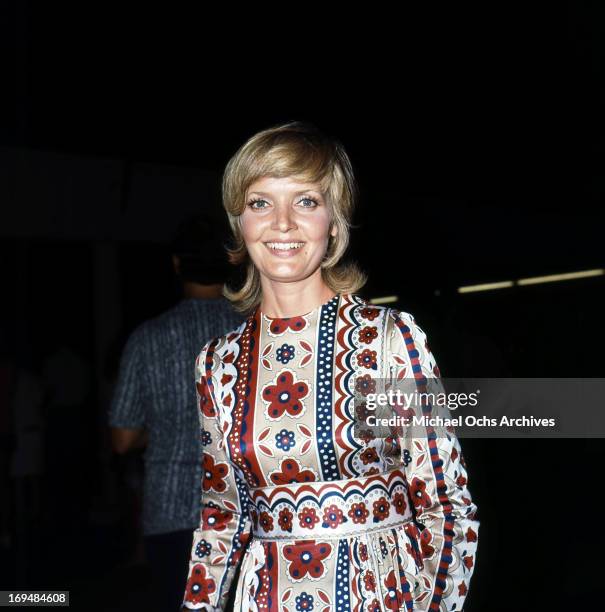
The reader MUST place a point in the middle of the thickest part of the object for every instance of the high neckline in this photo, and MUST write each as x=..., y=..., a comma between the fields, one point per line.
x=333, y=300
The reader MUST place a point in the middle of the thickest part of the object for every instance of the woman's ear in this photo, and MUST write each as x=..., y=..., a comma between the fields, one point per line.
x=334, y=230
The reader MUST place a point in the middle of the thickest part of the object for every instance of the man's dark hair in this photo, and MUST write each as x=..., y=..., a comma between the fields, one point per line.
x=199, y=243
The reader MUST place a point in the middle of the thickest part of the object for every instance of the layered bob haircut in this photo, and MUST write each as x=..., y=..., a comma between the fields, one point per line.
x=295, y=149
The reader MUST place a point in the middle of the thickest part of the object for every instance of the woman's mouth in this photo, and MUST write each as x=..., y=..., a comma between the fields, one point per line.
x=284, y=249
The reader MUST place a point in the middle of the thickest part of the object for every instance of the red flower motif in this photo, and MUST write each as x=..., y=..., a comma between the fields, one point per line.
x=381, y=509
x=290, y=471
x=279, y=326
x=394, y=598
x=461, y=480
x=425, y=539
x=365, y=384
x=214, y=474
x=333, y=517
x=199, y=587
x=266, y=521
x=306, y=559
x=214, y=518
x=367, y=334
x=462, y=590
x=471, y=536
x=363, y=549
x=374, y=606
x=359, y=513
x=285, y=396
x=367, y=359
x=285, y=519
x=468, y=561
x=369, y=313
x=307, y=518
x=206, y=404
x=370, y=581
x=366, y=435
x=399, y=503
x=369, y=455
x=418, y=493
x=362, y=412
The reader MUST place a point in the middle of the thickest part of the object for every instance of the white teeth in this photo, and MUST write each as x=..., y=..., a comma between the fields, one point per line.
x=284, y=246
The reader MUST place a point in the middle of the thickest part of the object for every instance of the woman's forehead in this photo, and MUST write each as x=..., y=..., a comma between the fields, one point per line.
x=282, y=184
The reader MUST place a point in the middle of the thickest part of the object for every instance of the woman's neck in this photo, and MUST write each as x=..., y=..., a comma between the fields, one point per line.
x=289, y=299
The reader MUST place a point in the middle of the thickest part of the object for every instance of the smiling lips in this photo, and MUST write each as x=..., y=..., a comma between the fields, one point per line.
x=284, y=246
x=284, y=249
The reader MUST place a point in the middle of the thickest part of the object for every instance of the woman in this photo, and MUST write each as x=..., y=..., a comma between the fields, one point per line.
x=317, y=514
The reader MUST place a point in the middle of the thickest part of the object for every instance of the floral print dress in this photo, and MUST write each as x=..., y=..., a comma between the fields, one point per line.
x=317, y=518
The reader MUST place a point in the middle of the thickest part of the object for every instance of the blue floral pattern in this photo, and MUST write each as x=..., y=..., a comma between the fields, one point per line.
x=285, y=353
x=284, y=440
x=304, y=602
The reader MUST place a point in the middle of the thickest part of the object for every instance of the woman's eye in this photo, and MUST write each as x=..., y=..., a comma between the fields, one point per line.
x=310, y=203
x=262, y=204
x=254, y=204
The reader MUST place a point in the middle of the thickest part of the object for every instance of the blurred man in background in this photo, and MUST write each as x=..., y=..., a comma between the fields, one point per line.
x=154, y=403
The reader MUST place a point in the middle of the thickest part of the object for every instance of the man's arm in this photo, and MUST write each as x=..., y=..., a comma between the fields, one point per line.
x=127, y=416
x=124, y=440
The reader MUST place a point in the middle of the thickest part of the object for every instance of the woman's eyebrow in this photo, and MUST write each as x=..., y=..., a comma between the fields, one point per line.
x=262, y=193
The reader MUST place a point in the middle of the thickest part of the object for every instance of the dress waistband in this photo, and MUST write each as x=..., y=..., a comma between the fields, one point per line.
x=331, y=509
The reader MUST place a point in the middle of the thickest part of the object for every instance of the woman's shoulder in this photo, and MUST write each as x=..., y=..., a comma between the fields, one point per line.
x=218, y=348
x=383, y=312
x=401, y=333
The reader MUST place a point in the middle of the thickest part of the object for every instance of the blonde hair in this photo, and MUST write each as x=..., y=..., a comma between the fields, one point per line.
x=297, y=149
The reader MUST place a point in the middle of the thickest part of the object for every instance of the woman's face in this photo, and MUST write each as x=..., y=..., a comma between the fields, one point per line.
x=286, y=227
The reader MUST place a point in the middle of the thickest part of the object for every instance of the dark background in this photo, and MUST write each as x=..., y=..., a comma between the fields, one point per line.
x=477, y=137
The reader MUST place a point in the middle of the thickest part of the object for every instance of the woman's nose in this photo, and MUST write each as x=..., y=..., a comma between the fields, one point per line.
x=282, y=219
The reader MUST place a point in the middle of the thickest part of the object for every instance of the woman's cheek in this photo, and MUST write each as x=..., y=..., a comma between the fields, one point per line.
x=251, y=227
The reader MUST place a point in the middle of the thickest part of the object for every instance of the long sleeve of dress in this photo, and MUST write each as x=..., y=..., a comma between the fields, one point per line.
x=437, y=477
x=225, y=525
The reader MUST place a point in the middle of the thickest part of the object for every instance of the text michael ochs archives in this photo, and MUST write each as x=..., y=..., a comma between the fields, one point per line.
x=408, y=407
x=503, y=407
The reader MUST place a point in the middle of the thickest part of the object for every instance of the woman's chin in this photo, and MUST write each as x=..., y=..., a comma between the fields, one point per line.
x=286, y=274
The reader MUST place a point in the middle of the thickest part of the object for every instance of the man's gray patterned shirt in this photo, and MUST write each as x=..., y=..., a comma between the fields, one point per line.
x=156, y=390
